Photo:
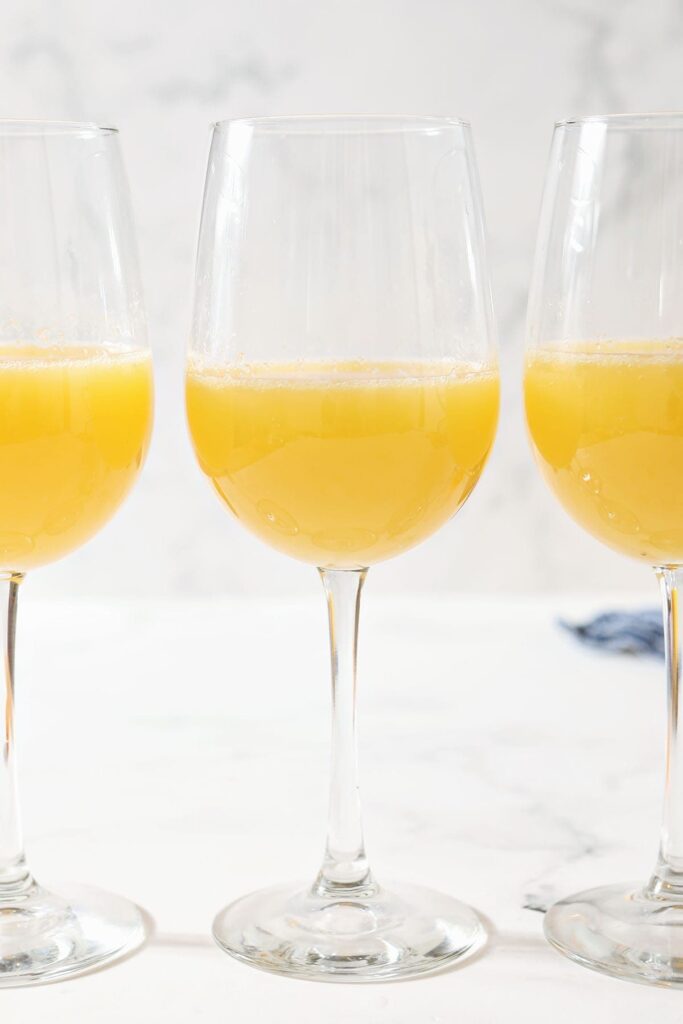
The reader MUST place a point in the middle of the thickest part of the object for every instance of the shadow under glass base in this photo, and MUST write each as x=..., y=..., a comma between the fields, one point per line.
x=369, y=935
x=45, y=937
x=623, y=931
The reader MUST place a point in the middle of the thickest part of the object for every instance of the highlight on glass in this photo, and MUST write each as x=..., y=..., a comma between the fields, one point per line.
x=342, y=397
x=604, y=406
x=75, y=418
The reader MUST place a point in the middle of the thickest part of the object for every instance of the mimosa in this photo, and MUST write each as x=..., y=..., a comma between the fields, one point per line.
x=343, y=465
x=74, y=426
x=606, y=420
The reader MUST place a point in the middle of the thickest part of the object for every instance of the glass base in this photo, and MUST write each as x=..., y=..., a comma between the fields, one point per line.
x=370, y=935
x=623, y=931
x=44, y=937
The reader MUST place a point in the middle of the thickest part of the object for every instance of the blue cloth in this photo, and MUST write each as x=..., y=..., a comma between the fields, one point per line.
x=634, y=633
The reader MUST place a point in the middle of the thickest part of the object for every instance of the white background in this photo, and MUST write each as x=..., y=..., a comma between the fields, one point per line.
x=163, y=69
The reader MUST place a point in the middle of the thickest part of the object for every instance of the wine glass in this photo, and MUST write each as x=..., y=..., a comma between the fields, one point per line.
x=342, y=397
x=75, y=417
x=604, y=406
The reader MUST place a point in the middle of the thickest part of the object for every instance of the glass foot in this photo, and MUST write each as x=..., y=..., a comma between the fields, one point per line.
x=44, y=937
x=369, y=935
x=623, y=931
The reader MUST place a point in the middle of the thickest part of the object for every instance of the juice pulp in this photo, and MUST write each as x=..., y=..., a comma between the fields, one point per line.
x=606, y=420
x=343, y=465
x=74, y=426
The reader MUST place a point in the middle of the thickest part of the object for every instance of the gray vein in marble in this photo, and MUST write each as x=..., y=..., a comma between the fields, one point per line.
x=226, y=76
x=133, y=44
x=31, y=49
x=596, y=73
x=541, y=893
x=511, y=320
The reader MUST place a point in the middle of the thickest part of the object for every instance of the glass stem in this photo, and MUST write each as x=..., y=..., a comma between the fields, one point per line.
x=668, y=875
x=14, y=874
x=345, y=867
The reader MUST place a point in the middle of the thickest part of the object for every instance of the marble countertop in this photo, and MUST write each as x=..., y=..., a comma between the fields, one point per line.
x=177, y=753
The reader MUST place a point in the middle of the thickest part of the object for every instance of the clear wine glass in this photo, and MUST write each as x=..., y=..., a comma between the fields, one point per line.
x=75, y=417
x=604, y=405
x=342, y=397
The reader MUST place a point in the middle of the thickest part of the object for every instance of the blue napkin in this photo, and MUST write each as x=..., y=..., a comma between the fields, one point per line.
x=633, y=633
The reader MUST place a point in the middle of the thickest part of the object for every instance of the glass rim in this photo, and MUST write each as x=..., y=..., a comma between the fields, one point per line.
x=654, y=118
x=27, y=128
x=352, y=124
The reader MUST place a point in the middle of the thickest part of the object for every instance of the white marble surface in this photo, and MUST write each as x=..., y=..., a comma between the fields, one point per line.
x=177, y=753
x=164, y=69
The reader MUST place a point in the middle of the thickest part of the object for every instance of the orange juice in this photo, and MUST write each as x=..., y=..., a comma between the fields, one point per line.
x=74, y=426
x=343, y=465
x=606, y=420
